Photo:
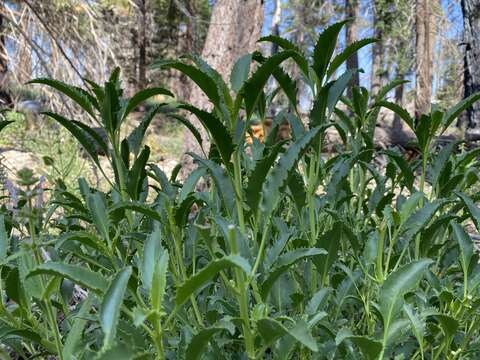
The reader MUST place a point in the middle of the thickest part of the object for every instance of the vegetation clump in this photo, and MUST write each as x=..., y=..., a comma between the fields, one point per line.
x=288, y=254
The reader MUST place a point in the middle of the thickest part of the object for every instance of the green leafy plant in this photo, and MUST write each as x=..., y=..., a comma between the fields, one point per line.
x=287, y=254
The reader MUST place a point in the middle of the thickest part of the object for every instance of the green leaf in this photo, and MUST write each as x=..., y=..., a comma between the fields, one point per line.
x=140, y=97
x=471, y=207
x=253, y=87
x=159, y=282
x=196, y=134
x=240, y=72
x=404, y=166
x=387, y=88
x=271, y=330
x=217, y=130
x=197, y=345
x=337, y=89
x=330, y=241
x=288, y=45
x=98, y=210
x=152, y=251
x=137, y=174
x=78, y=133
x=417, y=324
x=222, y=182
x=74, y=337
x=465, y=244
x=73, y=93
x=138, y=207
x=195, y=282
x=111, y=304
x=4, y=240
x=346, y=54
x=79, y=275
x=370, y=348
x=279, y=174
x=284, y=262
x=456, y=110
x=397, y=284
x=325, y=47
x=135, y=138
x=401, y=112
x=258, y=176
x=199, y=77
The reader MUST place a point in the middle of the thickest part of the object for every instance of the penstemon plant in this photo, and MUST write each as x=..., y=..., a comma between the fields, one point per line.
x=287, y=254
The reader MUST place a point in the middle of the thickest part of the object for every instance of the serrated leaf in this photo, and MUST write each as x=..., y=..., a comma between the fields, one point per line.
x=111, y=304
x=217, y=130
x=278, y=175
x=258, y=176
x=74, y=337
x=192, y=284
x=199, y=341
x=397, y=284
x=271, y=330
x=401, y=112
x=473, y=210
x=252, y=88
x=240, y=72
x=152, y=251
x=4, y=240
x=78, y=133
x=418, y=324
x=140, y=97
x=347, y=53
x=284, y=262
x=77, y=274
x=325, y=47
x=199, y=77
x=465, y=244
x=159, y=282
x=135, y=138
x=73, y=93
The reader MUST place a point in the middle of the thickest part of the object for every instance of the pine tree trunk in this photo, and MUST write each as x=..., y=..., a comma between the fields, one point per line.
x=235, y=26
x=276, y=19
x=351, y=11
x=424, y=63
x=377, y=52
x=5, y=98
x=142, y=44
x=471, y=28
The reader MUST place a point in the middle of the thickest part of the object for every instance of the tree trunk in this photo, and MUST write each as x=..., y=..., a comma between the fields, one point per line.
x=235, y=26
x=377, y=51
x=276, y=19
x=351, y=11
x=471, y=28
x=424, y=63
x=142, y=44
x=5, y=98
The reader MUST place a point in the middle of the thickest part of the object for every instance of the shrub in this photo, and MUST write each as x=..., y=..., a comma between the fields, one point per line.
x=286, y=255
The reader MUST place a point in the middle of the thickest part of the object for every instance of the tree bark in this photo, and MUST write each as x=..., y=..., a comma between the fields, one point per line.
x=5, y=98
x=424, y=63
x=276, y=19
x=471, y=80
x=377, y=51
x=235, y=26
x=351, y=11
x=142, y=44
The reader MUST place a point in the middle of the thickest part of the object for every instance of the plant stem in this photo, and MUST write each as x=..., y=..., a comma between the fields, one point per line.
x=48, y=306
x=242, y=283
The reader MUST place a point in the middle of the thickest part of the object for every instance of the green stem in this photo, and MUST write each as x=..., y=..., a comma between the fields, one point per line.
x=242, y=283
x=48, y=306
x=422, y=189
